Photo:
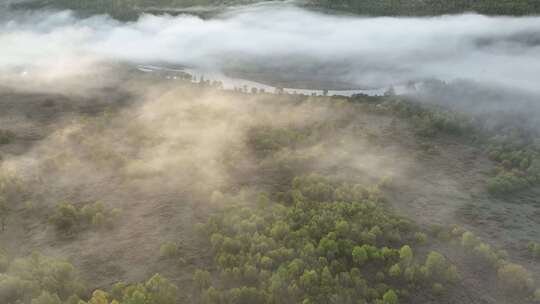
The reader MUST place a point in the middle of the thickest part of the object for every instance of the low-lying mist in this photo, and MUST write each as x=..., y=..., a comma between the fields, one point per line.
x=103, y=163
x=279, y=43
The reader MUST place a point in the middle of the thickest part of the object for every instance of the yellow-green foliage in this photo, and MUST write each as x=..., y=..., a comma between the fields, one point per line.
x=68, y=218
x=326, y=240
x=515, y=278
x=534, y=249
x=512, y=278
x=168, y=250
x=157, y=290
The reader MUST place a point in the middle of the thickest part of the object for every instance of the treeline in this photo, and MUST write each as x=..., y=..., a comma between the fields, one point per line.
x=432, y=7
x=124, y=9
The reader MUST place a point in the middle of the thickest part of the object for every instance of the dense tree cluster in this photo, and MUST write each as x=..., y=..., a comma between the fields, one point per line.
x=37, y=279
x=325, y=242
x=513, y=278
x=518, y=165
x=157, y=290
x=515, y=152
x=429, y=121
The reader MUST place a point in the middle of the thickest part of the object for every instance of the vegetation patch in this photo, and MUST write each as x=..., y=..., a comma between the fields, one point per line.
x=69, y=219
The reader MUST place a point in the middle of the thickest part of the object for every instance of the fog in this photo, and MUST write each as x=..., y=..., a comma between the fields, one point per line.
x=82, y=122
x=287, y=42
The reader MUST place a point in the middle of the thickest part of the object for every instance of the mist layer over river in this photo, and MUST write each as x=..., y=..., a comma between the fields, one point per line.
x=279, y=45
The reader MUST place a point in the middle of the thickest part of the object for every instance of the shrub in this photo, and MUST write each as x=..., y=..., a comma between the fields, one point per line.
x=202, y=279
x=484, y=253
x=438, y=268
x=359, y=255
x=534, y=249
x=38, y=275
x=4, y=262
x=469, y=240
x=420, y=237
x=536, y=295
x=437, y=288
x=160, y=290
x=168, y=250
x=6, y=137
x=515, y=278
x=395, y=271
x=65, y=218
x=505, y=183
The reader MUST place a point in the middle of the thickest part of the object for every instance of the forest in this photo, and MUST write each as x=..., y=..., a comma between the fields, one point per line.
x=237, y=152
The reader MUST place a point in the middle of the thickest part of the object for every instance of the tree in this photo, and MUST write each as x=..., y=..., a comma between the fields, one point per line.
x=390, y=297
x=99, y=297
x=202, y=279
x=168, y=250
x=359, y=255
x=536, y=295
x=160, y=290
x=327, y=281
x=65, y=217
x=395, y=271
x=47, y=298
x=469, y=240
x=436, y=264
x=406, y=255
x=309, y=281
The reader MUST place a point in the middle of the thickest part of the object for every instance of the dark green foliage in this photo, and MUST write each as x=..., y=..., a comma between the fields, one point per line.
x=432, y=7
x=68, y=219
x=6, y=137
x=506, y=183
x=518, y=164
x=430, y=122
